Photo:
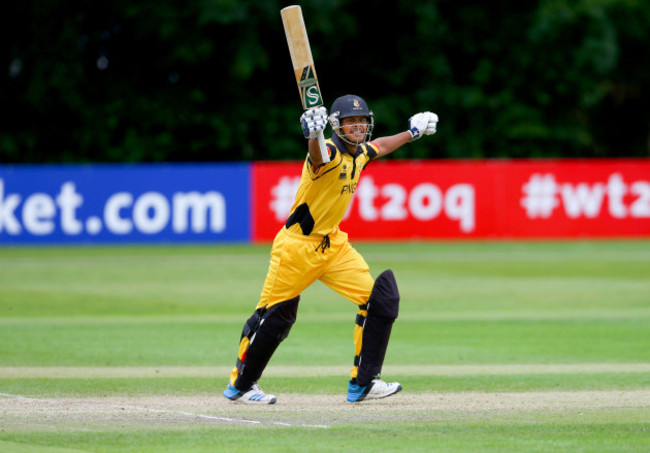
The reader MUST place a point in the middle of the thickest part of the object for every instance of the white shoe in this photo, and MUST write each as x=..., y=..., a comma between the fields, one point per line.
x=254, y=395
x=381, y=389
x=376, y=389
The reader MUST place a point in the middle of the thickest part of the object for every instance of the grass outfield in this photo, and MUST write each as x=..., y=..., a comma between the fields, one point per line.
x=500, y=346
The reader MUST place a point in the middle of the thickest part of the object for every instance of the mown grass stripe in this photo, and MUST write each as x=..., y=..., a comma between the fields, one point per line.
x=532, y=315
x=319, y=371
x=427, y=256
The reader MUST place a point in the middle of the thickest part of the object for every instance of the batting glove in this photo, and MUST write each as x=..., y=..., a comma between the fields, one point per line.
x=422, y=124
x=313, y=121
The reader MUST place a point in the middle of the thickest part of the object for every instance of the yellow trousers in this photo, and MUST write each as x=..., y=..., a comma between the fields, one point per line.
x=297, y=261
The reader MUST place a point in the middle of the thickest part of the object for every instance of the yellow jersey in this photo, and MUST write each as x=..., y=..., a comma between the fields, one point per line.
x=324, y=194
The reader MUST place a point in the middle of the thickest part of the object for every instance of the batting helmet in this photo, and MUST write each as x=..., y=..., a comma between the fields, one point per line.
x=347, y=106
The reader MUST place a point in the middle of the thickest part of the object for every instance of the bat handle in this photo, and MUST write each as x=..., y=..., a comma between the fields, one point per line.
x=323, y=147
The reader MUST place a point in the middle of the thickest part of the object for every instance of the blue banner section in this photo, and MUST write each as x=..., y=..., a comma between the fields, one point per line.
x=125, y=203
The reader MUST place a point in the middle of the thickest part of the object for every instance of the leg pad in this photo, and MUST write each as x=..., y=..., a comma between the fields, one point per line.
x=383, y=308
x=261, y=335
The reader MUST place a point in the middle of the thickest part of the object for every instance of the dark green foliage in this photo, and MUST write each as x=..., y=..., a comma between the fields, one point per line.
x=211, y=80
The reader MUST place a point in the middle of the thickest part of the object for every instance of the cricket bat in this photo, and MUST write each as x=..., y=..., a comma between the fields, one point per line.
x=303, y=65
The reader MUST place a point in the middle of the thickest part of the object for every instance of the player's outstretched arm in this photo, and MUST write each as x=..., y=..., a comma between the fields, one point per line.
x=419, y=124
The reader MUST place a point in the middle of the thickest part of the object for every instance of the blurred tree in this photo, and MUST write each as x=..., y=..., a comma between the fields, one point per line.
x=211, y=80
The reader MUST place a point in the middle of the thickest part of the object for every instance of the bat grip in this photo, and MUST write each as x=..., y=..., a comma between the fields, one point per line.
x=323, y=147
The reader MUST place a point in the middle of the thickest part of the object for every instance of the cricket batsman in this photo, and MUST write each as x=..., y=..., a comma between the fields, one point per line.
x=310, y=246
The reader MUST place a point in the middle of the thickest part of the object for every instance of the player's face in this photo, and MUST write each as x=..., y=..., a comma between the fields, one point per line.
x=354, y=128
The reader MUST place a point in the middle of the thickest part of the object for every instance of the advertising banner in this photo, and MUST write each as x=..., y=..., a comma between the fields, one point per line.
x=475, y=199
x=124, y=203
x=576, y=198
x=394, y=200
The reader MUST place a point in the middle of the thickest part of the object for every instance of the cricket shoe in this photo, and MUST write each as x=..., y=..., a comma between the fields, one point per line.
x=376, y=389
x=254, y=395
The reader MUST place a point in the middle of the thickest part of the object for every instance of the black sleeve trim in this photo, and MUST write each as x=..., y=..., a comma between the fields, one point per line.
x=332, y=152
x=314, y=173
x=332, y=149
x=371, y=152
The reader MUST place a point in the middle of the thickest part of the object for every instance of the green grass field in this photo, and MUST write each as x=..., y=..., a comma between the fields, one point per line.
x=500, y=346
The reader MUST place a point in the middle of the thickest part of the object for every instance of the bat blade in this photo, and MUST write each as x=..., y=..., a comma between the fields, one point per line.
x=303, y=64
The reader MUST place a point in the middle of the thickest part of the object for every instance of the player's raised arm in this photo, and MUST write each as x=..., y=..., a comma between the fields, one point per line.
x=420, y=124
x=314, y=121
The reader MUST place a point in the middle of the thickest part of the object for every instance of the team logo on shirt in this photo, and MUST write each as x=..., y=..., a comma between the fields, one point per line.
x=344, y=173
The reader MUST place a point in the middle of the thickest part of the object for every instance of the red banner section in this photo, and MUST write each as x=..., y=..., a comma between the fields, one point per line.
x=475, y=199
